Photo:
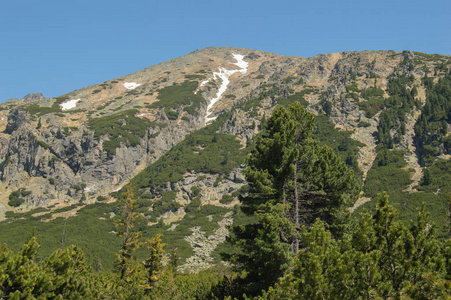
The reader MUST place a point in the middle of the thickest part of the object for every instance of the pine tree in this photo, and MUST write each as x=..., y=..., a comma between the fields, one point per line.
x=21, y=277
x=71, y=275
x=380, y=259
x=154, y=263
x=131, y=238
x=292, y=182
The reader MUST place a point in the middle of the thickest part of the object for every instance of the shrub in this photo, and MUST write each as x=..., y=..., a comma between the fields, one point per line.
x=101, y=198
x=226, y=199
x=15, y=201
x=175, y=96
x=15, y=198
x=195, y=76
x=387, y=173
x=364, y=124
x=122, y=127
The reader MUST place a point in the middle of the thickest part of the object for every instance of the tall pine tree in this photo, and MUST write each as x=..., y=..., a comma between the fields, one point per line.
x=292, y=182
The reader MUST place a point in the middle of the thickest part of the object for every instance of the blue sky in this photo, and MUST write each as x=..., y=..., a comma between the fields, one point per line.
x=58, y=46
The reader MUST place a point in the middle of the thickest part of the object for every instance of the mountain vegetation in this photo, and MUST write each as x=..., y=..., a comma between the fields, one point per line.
x=280, y=256
x=312, y=178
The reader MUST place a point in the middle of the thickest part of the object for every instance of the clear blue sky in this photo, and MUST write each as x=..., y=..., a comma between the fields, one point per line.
x=58, y=46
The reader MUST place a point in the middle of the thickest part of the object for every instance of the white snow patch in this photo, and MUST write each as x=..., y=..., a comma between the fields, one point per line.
x=224, y=75
x=205, y=82
x=69, y=104
x=141, y=115
x=131, y=85
x=241, y=63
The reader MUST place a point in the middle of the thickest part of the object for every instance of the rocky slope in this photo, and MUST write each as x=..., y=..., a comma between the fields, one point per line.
x=49, y=147
x=150, y=125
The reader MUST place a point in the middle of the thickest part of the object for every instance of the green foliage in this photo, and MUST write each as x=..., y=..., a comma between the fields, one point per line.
x=121, y=127
x=35, y=109
x=197, y=215
x=374, y=101
x=207, y=284
x=154, y=262
x=372, y=92
x=387, y=173
x=352, y=87
x=71, y=275
x=400, y=102
x=195, y=76
x=364, y=124
x=262, y=254
x=340, y=141
x=165, y=204
x=292, y=181
x=280, y=92
x=63, y=275
x=15, y=198
x=226, y=199
x=21, y=277
x=289, y=79
x=371, y=106
x=171, y=114
x=85, y=230
x=431, y=129
x=15, y=201
x=202, y=151
x=327, y=107
x=101, y=198
x=195, y=191
x=381, y=259
x=179, y=95
x=356, y=267
x=437, y=177
x=297, y=97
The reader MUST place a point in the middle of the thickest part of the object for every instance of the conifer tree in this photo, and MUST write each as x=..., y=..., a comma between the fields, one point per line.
x=71, y=275
x=20, y=276
x=292, y=182
x=154, y=263
x=380, y=259
x=131, y=238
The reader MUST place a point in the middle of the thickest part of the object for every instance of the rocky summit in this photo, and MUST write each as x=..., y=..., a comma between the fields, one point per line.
x=180, y=132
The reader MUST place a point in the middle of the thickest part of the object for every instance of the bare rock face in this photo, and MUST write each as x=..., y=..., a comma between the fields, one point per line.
x=15, y=119
x=33, y=97
x=73, y=165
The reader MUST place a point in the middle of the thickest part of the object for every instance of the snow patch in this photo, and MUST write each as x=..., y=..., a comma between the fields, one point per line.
x=131, y=85
x=224, y=75
x=69, y=104
x=204, y=82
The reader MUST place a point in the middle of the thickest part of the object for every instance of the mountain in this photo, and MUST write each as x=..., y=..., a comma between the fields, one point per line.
x=181, y=130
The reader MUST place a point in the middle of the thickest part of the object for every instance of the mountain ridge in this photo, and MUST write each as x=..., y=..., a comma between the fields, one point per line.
x=151, y=126
x=97, y=95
